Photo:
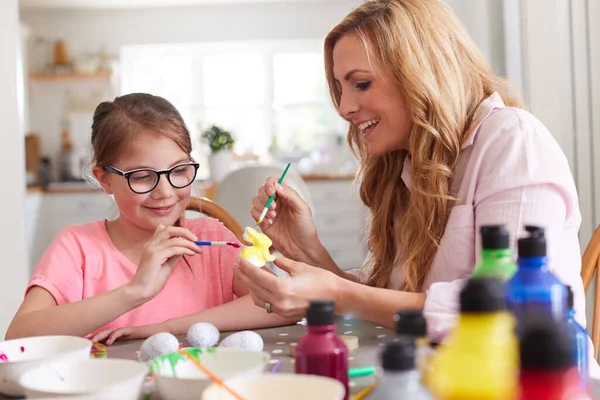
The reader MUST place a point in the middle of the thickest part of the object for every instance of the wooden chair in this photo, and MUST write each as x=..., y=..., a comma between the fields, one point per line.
x=589, y=265
x=211, y=209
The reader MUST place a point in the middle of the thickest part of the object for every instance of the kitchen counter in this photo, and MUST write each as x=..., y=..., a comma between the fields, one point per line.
x=84, y=187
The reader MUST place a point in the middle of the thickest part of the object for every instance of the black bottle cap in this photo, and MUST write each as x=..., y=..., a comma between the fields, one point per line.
x=570, y=298
x=545, y=344
x=533, y=245
x=399, y=354
x=320, y=312
x=484, y=294
x=410, y=322
x=494, y=237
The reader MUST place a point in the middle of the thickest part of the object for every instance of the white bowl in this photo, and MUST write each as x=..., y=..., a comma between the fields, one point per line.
x=178, y=378
x=37, y=351
x=95, y=378
x=277, y=387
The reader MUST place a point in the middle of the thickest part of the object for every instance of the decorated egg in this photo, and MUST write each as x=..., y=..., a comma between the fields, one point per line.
x=203, y=334
x=156, y=345
x=247, y=340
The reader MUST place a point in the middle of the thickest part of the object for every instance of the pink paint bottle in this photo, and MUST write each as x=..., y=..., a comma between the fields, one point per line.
x=321, y=351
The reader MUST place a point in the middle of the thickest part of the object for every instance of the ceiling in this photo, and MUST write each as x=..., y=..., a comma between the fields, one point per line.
x=45, y=4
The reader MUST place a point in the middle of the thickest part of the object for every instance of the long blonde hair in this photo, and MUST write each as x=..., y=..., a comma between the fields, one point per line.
x=443, y=78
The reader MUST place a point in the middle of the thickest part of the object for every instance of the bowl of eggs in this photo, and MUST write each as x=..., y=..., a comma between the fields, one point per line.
x=17, y=356
x=277, y=387
x=178, y=377
x=93, y=379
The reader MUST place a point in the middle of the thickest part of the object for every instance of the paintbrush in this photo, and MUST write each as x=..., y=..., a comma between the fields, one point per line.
x=210, y=374
x=210, y=243
x=266, y=209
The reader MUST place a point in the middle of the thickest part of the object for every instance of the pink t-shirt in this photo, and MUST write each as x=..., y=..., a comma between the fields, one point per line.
x=82, y=262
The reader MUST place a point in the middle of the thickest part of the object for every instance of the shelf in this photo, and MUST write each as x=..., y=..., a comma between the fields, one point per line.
x=46, y=76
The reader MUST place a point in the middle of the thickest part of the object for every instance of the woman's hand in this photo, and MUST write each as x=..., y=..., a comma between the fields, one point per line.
x=289, y=223
x=289, y=296
x=159, y=256
x=130, y=333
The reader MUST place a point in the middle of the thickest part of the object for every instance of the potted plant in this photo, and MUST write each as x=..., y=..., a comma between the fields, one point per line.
x=220, y=143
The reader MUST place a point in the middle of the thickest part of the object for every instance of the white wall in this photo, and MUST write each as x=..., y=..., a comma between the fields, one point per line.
x=12, y=170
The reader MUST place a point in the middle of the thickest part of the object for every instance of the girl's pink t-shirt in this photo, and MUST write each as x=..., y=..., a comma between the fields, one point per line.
x=82, y=262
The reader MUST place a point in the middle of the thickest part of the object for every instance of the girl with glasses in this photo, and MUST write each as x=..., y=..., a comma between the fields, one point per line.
x=143, y=268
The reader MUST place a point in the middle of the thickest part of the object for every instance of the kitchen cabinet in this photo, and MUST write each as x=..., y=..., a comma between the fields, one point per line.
x=340, y=219
x=49, y=213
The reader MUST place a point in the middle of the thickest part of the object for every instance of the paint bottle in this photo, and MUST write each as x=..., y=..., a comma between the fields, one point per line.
x=496, y=255
x=534, y=289
x=480, y=358
x=579, y=335
x=400, y=378
x=412, y=323
x=548, y=368
x=321, y=351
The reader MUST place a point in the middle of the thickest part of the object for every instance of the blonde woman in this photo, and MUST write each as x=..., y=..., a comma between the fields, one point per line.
x=444, y=148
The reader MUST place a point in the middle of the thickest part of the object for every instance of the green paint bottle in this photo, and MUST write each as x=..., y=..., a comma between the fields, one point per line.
x=496, y=255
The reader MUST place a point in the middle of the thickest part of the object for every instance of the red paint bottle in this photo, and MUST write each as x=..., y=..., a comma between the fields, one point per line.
x=321, y=351
x=548, y=368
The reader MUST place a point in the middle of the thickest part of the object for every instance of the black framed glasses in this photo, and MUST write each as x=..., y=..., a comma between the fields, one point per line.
x=145, y=180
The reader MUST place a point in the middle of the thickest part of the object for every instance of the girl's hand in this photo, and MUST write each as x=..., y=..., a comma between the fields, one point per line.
x=288, y=223
x=289, y=296
x=159, y=256
x=130, y=333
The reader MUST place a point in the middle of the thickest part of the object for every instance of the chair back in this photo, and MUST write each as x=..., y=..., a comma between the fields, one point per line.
x=211, y=209
x=589, y=266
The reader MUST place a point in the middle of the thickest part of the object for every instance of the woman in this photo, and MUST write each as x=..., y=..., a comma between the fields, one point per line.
x=444, y=147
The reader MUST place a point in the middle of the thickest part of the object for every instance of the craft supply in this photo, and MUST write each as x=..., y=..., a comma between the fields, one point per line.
x=361, y=371
x=579, y=335
x=210, y=374
x=203, y=334
x=480, y=359
x=98, y=350
x=208, y=243
x=534, y=288
x=412, y=323
x=548, y=368
x=496, y=254
x=158, y=344
x=400, y=378
x=259, y=253
x=363, y=393
x=247, y=340
x=321, y=351
x=266, y=209
x=276, y=367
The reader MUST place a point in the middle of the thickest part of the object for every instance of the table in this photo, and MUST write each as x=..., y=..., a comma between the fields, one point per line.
x=277, y=341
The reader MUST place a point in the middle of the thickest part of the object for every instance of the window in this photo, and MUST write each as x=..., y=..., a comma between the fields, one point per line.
x=272, y=96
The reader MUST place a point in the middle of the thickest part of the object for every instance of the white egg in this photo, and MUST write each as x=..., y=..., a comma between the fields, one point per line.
x=248, y=340
x=156, y=345
x=203, y=334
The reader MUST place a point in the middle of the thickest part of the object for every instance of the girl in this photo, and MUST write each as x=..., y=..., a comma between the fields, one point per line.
x=144, y=267
x=444, y=148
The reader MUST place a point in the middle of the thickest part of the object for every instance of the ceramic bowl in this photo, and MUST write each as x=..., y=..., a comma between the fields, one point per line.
x=27, y=353
x=277, y=387
x=178, y=378
x=93, y=379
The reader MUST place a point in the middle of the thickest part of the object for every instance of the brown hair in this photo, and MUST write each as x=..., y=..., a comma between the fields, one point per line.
x=117, y=123
x=444, y=78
